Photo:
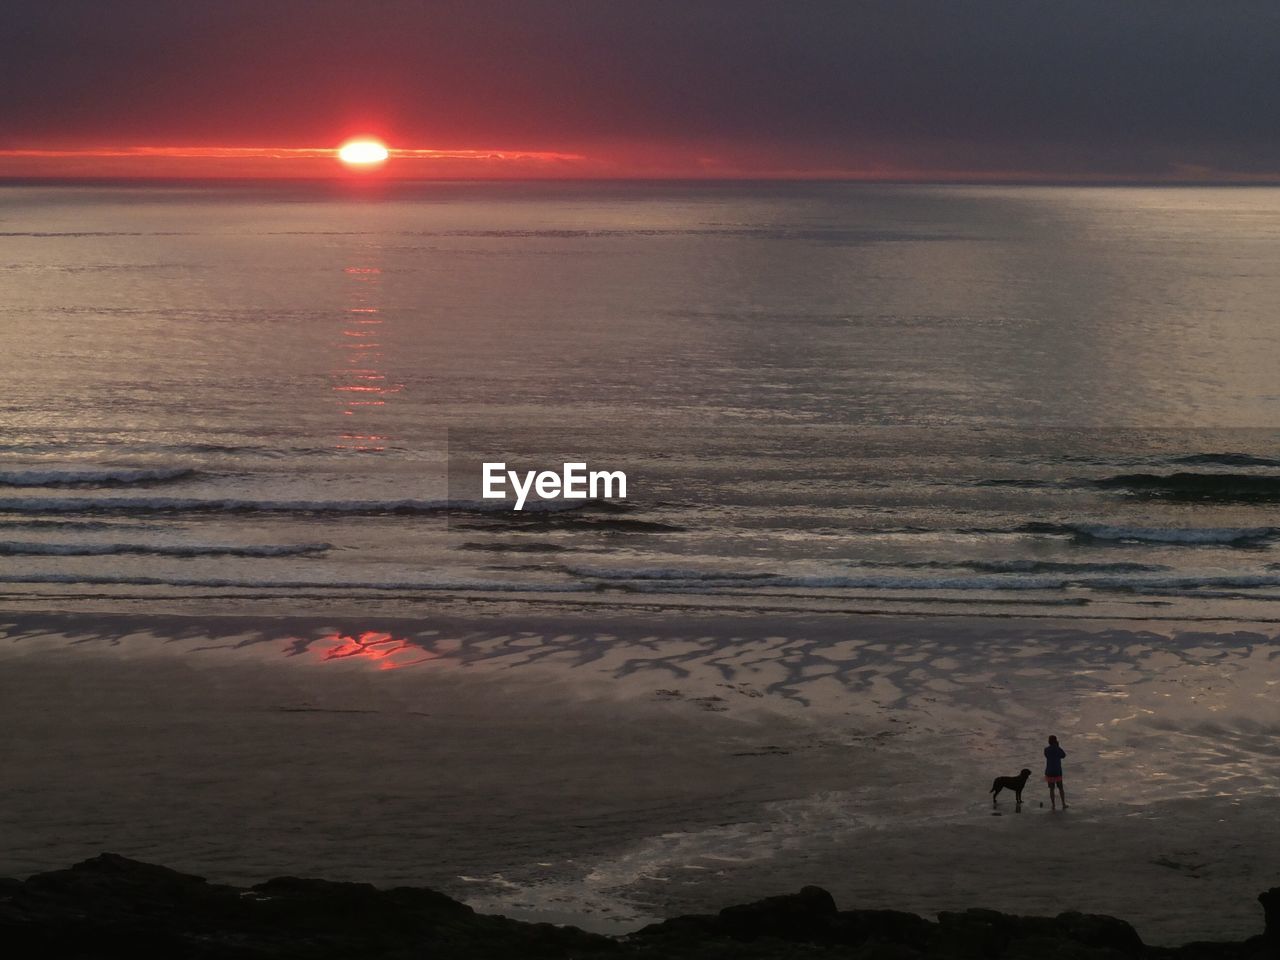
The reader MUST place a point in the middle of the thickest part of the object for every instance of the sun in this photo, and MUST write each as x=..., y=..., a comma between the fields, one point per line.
x=362, y=153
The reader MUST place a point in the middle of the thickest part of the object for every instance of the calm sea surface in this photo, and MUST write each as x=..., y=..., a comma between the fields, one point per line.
x=1021, y=401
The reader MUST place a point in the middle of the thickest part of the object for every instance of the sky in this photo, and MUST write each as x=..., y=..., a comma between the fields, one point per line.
x=881, y=89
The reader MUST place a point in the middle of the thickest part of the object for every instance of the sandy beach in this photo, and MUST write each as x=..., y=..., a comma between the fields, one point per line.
x=607, y=769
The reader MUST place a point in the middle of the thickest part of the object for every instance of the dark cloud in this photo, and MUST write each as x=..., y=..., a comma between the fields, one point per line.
x=1074, y=85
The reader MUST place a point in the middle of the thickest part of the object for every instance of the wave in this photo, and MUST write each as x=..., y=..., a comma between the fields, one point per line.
x=1226, y=460
x=684, y=578
x=62, y=523
x=1187, y=486
x=1015, y=566
x=1083, y=532
x=668, y=573
x=20, y=548
x=336, y=584
x=130, y=505
x=514, y=547
x=684, y=581
x=102, y=477
x=1186, y=536
x=1023, y=482
x=1189, y=583
x=617, y=525
x=677, y=584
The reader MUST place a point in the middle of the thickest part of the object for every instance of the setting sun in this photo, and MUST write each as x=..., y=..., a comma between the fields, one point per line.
x=362, y=153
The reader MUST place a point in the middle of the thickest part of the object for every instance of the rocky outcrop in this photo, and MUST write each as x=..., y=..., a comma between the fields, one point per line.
x=111, y=907
x=1271, y=909
x=811, y=917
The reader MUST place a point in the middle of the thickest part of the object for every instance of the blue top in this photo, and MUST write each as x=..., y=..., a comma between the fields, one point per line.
x=1053, y=760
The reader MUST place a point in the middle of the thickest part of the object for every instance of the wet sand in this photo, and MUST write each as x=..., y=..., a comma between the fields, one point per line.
x=607, y=768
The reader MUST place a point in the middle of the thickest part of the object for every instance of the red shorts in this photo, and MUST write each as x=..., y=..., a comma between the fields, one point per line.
x=1052, y=780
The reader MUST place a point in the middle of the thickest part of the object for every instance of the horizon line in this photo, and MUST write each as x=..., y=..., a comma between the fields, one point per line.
x=272, y=153
x=140, y=164
x=924, y=179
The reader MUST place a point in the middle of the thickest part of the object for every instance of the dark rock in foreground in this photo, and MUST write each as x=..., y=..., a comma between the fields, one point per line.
x=113, y=907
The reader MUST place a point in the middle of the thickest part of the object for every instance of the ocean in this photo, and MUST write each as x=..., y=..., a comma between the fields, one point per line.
x=916, y=476
x=997, y=401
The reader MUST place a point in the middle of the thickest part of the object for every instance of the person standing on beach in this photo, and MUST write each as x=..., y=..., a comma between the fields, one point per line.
x=1053, y=755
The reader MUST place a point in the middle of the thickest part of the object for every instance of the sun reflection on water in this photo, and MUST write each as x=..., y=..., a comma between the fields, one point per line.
x=360, y=382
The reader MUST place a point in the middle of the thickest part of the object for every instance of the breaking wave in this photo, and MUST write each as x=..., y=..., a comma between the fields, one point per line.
x=129, y=505
x=1015, y=566
x=19, y=548
x=683, y=578
x=1187, y=536
x=103, y=477
x=675, y=580
x=336, y=584
x=1227, y=460
x=1187, y=486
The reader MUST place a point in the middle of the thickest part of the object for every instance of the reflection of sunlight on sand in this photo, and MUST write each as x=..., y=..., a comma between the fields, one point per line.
x=388, y=652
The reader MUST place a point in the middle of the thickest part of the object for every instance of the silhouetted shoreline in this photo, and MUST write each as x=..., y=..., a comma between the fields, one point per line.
x=114, y=907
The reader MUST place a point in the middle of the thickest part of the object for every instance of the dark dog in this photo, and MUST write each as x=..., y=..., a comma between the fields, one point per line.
x=1009, y=783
